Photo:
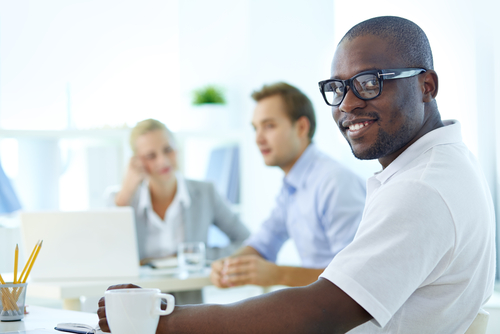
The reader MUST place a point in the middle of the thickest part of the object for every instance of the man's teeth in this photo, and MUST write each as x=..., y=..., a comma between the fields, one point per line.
x=357, y=126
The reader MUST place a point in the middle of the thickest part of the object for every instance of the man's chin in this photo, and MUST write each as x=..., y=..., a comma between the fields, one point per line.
x=363, y=154
x=270, y=162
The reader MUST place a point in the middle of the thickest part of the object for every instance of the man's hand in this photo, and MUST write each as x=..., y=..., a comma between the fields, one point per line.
x=101, y=311
x=246, y=269
x=216, y=273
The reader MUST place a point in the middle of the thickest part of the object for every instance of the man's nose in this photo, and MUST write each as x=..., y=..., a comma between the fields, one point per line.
x=351, y=102
x=259, y=137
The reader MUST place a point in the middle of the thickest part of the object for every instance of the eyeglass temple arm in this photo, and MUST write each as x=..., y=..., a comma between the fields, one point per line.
x=400, y=73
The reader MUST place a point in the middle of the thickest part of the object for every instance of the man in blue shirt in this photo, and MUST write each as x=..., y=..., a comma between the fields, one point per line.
x=319, y=206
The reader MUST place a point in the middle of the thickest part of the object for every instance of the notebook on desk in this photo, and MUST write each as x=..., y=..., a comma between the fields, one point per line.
x=79, y=245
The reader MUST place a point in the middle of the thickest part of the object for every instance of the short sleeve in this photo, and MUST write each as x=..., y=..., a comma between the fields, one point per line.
x=405, y=241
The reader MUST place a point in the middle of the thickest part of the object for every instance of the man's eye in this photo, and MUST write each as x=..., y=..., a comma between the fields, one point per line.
x=339, y=90
x=370, y=84
x=168, y=149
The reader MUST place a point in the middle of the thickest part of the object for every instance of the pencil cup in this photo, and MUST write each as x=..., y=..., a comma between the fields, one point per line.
x=12, y=297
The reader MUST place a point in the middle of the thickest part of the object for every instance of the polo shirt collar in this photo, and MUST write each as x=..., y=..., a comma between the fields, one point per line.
x=450, y=133
x=181, y=196
x=296, y=178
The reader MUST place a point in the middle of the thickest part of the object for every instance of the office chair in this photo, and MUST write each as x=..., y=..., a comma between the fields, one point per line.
x=479, y=324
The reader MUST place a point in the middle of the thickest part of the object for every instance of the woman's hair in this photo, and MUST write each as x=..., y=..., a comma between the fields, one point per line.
x=146, y=126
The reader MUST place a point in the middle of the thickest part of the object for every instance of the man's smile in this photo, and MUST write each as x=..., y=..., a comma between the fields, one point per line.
x=356, y=128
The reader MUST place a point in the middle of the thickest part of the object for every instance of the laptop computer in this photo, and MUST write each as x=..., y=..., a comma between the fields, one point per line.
x=80, y=245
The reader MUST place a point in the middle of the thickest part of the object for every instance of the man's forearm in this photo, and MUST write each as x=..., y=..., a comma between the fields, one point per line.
x=320, y=307
x=247, y=266
x=297, y=276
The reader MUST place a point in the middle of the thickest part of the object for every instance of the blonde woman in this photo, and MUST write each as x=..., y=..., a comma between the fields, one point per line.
x=168, y=208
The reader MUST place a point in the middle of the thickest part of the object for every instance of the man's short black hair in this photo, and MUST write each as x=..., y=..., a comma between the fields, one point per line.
x=405, y=37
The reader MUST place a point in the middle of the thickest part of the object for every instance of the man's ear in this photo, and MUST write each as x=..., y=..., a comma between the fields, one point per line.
x=429, y=85
x=303, y=125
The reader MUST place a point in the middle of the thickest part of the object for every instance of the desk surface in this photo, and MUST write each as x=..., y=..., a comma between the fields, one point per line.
x=47, y=318
x=71, y=291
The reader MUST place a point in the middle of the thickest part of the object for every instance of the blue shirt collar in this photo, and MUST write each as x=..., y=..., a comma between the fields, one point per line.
x=296, y=178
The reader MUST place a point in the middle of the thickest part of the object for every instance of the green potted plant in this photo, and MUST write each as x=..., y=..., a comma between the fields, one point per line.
x=209, y=94
x=210, y=110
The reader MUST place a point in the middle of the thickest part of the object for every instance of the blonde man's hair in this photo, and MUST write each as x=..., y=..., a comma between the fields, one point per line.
x=146, y=126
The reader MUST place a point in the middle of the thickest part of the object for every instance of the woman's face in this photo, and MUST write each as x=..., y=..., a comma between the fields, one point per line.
x=156, y=154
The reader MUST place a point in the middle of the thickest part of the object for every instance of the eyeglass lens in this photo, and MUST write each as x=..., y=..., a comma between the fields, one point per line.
x=365, y=86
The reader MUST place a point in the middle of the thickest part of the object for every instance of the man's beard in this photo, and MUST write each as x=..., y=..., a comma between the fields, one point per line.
x=385, y=144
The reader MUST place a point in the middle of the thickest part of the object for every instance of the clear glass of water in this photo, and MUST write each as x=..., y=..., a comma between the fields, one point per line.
x=191, y=258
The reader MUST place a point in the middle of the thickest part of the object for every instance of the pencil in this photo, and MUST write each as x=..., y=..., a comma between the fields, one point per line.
x=8, y=303
x=7, y=297
x=32, y=262
x=16, y=258
x=5, y=304
x=28, y=262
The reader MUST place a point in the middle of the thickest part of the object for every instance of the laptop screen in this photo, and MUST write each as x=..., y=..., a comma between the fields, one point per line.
x=77, y=245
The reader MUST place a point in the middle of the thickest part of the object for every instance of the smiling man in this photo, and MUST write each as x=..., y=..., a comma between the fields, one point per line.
x=319, y=206
x=423, y=259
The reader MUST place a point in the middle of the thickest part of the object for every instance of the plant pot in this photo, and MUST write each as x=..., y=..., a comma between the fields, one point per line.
x=211, y=117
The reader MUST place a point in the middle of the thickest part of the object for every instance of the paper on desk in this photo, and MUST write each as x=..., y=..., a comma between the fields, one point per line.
x=169, y=262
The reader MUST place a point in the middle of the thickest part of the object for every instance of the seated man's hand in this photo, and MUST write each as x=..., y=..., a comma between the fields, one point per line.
x=249, y=269
x=216, y=273
x=101, y=311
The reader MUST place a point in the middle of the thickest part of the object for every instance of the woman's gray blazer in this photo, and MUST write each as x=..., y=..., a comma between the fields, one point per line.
x=207, y=208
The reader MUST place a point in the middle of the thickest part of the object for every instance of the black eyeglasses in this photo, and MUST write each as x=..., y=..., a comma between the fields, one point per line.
x=365, y=85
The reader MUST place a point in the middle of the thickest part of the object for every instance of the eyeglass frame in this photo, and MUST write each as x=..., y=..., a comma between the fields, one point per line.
x=387, y=74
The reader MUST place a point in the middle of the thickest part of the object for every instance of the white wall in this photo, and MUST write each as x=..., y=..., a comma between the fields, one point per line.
x=87, y=63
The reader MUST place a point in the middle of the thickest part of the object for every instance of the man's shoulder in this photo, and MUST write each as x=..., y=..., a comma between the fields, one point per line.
x=448, y=171
x=442, y=164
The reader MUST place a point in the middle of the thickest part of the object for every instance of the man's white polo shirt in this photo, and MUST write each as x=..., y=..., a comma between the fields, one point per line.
x=423, y=259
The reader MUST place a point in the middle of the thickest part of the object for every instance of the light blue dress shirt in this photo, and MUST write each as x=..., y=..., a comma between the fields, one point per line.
x=319, y=206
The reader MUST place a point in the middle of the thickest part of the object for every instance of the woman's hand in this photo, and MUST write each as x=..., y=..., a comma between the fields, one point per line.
x=135, y=174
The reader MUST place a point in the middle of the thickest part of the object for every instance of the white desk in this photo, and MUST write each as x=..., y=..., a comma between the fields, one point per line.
x=47, y=318
x=71, y=291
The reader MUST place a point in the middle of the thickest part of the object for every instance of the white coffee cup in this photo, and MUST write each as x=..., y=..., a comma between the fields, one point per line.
x=135, y=311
